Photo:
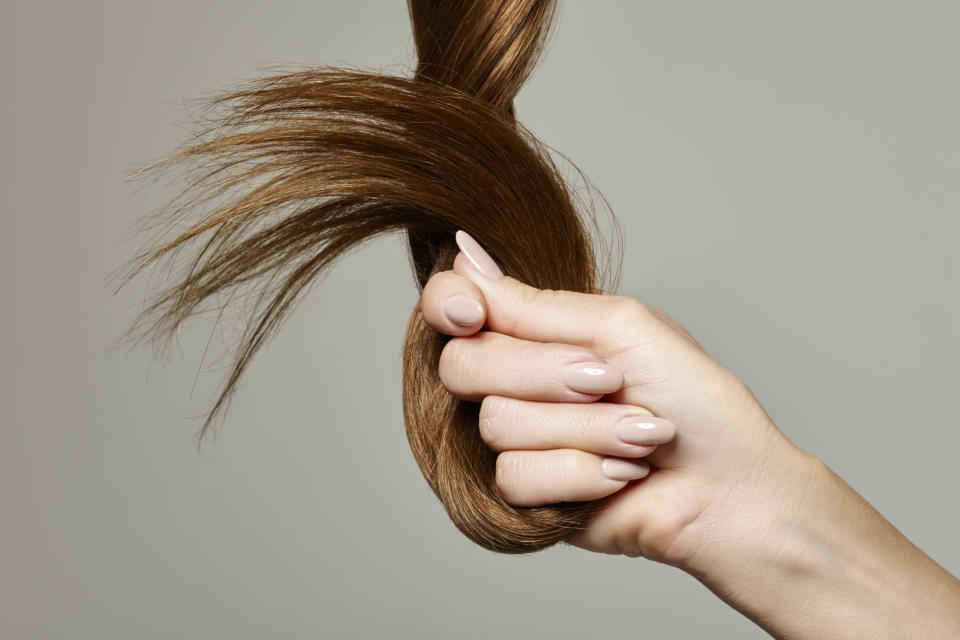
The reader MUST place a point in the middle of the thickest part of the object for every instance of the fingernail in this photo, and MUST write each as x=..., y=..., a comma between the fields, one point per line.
x=645, y=430
x=463, y=310
x=620, y=469
x=593, y=377
x=477, y=256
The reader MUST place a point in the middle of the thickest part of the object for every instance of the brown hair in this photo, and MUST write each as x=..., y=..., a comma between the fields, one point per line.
x=294, y=170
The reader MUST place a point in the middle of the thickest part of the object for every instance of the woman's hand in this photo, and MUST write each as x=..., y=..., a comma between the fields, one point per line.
x=557, y=444
x=691, y=469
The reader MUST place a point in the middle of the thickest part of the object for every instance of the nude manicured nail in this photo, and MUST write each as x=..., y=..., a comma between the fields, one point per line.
x=620, y=469
x=645, y=430
x=593, y=377
x=477, y=256
x=463, y=310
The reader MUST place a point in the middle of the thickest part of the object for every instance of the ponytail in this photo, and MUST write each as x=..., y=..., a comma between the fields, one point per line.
x=295, y=170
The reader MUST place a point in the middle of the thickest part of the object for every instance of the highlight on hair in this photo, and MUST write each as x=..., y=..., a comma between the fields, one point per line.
x=294, y=170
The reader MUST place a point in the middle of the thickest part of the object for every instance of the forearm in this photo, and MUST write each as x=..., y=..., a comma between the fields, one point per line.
x=815, y=560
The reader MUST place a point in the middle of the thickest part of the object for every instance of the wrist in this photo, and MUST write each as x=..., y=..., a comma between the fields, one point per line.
x=751, y=522
x=797, y=550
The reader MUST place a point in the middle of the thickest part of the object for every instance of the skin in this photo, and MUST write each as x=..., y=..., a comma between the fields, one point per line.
x=729, y=499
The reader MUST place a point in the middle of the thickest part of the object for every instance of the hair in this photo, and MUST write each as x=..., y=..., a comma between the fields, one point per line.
x=292, y=171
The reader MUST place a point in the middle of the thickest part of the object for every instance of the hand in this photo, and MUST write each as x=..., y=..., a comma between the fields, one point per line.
x=729, y=499
x=556, y=443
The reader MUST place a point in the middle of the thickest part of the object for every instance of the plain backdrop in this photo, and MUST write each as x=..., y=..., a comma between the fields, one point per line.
x=786, y=177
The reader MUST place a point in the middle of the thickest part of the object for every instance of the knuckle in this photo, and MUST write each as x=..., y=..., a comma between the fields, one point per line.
x=630, y=310
x=432, y=292
x=430, y=287
x=493, y=422
x=454, y=364
x=545, y=296
x=509, y=473
x=595, y=423
x=570, y=466
x=530, y=300
x=629, y=307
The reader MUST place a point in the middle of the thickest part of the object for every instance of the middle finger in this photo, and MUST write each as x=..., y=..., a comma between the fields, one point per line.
x=490, y=363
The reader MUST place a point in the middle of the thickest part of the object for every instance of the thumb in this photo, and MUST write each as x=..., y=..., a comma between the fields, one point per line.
x=543, y=315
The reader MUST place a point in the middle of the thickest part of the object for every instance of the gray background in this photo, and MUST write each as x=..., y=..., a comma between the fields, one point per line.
x=786, y=178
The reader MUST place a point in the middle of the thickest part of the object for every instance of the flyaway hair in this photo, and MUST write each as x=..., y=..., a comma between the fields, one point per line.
x=297, y=169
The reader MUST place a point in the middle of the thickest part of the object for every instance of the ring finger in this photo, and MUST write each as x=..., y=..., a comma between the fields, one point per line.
x=490, y=363
x=600, y=427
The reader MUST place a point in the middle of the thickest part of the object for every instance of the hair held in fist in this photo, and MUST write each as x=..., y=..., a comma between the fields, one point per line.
x=290, y=172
